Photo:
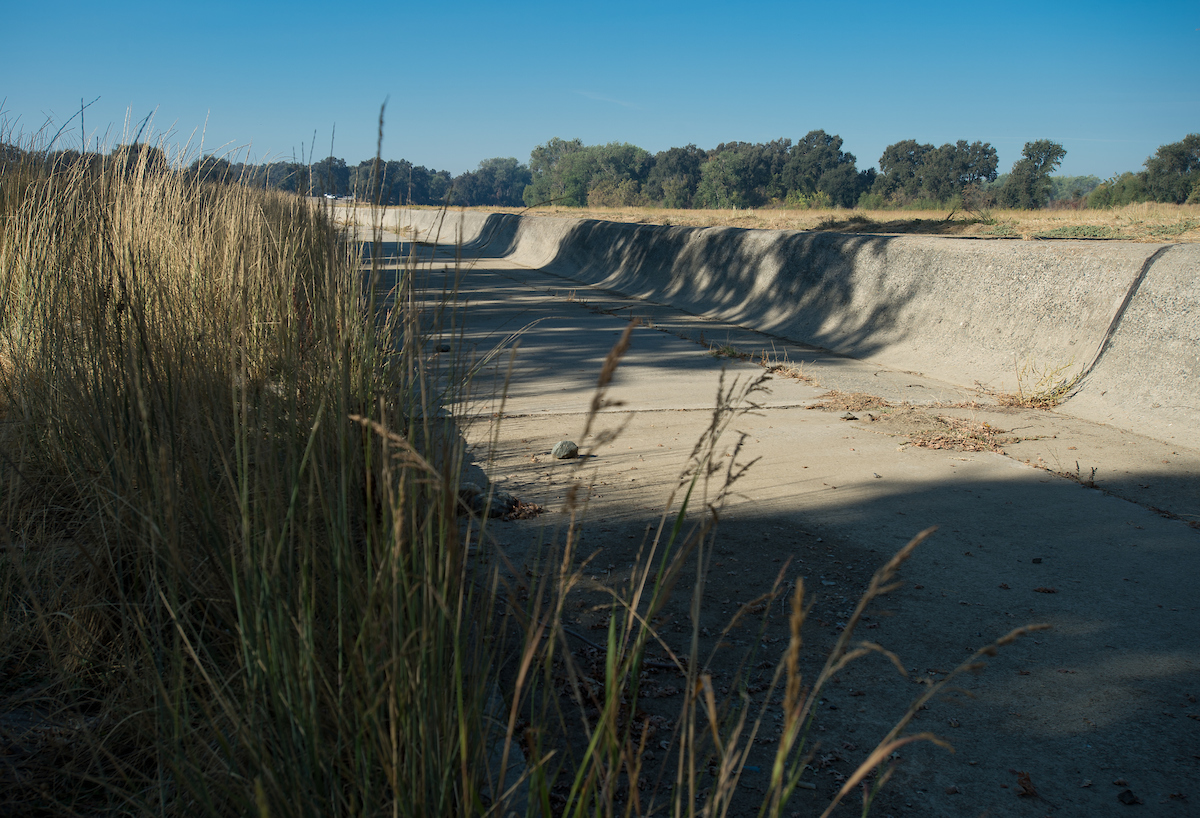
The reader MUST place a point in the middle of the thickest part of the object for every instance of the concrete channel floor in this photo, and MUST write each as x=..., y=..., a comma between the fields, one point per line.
x=1102, y=703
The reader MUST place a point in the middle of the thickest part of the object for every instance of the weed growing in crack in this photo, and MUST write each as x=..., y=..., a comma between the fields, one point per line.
x=1039, y=387
x=784, y=367
x=727, y=351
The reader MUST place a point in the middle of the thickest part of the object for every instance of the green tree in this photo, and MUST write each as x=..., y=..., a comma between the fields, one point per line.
x=428, y=186
x=902, y=169
x=977, y=163
x=572, y=178
x=1128, y=188
x=545, y=163
x=1067, y=188
x=1028, y=184
x=1173, y=173
x=723, y=181
x=743, y=174
x=817, y=163
x=951, y=169
x=129, y=158
x=567, y=172
x=10, y=155
x=768, y=161
x=399, y=182
x=287, y=176
x=674, y=176
x=385, y=182
x=213, y=169
x=909, y=170
x=330, y=177
x=615, y=172
x=499, y=182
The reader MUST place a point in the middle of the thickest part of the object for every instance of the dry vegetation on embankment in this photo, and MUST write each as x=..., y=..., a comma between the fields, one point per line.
x=1147, y=222
x=236, y=577
x=224, y=588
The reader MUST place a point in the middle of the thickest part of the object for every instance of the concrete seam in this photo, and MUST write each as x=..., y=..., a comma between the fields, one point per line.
x=617, y=412
x=1120, y=313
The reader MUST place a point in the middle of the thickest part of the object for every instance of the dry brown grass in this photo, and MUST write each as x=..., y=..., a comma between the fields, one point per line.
x=961, y=435
x=782, y=366
x=1038, y=386
x=921, y=427
x=792, y=371
x=1147, y=222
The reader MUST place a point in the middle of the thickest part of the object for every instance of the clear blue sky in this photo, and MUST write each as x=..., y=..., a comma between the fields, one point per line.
x=465, y=81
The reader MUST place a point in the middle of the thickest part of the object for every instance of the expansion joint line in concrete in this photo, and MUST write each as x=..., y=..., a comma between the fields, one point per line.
x=641, y=411
x=1120, y=313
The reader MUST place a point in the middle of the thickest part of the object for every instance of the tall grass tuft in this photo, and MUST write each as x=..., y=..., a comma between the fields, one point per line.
x=233, y=572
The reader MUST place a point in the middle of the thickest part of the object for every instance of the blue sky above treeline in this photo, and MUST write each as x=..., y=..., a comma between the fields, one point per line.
x=467, y=81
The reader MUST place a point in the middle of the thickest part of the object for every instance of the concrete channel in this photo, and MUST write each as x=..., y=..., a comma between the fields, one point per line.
x=1086, y=520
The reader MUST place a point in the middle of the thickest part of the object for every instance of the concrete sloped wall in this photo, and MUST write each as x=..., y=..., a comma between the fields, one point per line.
x=961, y=310
x=1146, y=378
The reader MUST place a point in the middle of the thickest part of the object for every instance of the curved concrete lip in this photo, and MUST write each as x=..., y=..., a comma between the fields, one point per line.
x=1122, y=317
x=1101, y=697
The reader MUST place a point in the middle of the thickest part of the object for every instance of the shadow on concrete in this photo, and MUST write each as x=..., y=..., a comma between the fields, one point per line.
x=557, y=339
x=812, y=289
x=497, y=238
x=809, y=291
x=1104, y=695
x=390, y=252
x=811, y=297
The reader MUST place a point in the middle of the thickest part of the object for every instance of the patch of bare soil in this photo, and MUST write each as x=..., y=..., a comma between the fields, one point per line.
x=836, y=400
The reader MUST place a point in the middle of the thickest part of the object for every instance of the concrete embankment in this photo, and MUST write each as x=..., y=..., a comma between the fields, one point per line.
x=1125, y=316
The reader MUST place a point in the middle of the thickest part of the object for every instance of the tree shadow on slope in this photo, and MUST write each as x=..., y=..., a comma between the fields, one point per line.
x=824, y=289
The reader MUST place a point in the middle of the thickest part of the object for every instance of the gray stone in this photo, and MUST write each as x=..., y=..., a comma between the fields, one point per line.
x=476, y=498
x=502, y=503
x=565, y=450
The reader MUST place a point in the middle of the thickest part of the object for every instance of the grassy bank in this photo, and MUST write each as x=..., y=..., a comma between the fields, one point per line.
x=236, y=575
x=232, y=583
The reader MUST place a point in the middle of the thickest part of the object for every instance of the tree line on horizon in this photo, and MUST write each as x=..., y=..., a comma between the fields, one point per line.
x=814, y=172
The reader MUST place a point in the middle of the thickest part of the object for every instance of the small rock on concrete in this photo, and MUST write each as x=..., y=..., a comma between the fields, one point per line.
x=475, y=497
x=565, y=450
x=1128, y=798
